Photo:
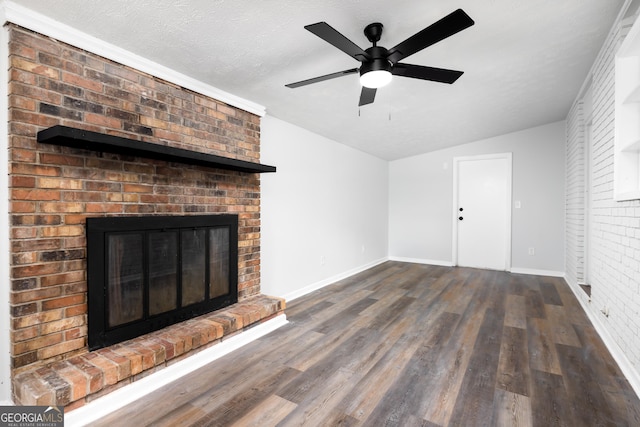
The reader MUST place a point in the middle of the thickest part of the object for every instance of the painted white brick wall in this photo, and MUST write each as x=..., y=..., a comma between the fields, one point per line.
x=614, y=239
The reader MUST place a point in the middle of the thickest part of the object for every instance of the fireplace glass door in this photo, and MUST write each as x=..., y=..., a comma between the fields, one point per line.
x=194, y=273
x=147, y=273
x=125, y=278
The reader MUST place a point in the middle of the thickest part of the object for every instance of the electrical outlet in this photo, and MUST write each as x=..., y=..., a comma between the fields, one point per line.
x=322, y=260
x=532, y=251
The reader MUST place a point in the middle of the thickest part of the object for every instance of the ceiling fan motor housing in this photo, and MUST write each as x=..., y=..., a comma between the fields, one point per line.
x=378, y=61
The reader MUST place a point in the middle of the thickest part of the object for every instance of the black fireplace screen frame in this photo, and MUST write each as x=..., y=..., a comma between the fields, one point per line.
x=99, y=230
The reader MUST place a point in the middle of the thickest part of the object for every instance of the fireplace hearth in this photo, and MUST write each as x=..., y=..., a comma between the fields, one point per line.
x=145, y=273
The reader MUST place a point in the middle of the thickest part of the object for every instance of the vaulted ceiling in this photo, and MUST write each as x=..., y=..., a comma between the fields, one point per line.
x=524, y=61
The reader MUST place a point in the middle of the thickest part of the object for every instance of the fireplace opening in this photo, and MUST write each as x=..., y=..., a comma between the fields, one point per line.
x=145, y=273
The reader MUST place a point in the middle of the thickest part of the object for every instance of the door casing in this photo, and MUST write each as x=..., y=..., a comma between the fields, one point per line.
x=507, y=204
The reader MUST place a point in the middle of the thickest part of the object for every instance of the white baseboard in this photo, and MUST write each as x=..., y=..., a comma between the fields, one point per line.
x=450, y=264
x=535, y=272
x=630, y=372
x=321, y=284
x=102, y=406
x=422, y=261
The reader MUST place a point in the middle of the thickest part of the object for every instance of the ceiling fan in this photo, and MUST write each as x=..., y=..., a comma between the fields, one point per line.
x=379, y=63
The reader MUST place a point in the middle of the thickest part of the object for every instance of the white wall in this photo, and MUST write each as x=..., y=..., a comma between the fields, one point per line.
x=614, y=233
x=421, y=200
x=324, y=212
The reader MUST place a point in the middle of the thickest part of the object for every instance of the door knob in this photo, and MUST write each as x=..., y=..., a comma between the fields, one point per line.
x=460, y=218
x=461, y=209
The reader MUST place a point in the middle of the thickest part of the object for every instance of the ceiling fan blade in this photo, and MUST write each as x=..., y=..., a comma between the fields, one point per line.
x=329, y=34
x=441, y=75
x=322, y=78
x=447, y=26
x=367, y=96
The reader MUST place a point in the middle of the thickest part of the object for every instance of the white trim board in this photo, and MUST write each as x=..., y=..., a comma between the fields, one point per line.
x=5, y=287
x=326, y=282
x=115, y=400
x=44, y=25
x=422, y=261
x=514, y=270
x=536, y=272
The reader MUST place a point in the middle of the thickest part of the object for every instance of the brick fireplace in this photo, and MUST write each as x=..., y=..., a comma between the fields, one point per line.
x=54, y=189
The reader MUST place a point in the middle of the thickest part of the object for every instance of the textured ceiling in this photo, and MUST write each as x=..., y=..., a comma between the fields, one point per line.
x=524, y=60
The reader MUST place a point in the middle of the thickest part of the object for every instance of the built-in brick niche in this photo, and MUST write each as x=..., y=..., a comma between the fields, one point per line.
x=54, y=189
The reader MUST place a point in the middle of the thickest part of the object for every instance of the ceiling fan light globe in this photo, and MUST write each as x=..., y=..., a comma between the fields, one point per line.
x=375, y=79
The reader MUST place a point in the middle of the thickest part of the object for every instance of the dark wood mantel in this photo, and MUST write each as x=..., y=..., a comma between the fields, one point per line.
x=84, y=139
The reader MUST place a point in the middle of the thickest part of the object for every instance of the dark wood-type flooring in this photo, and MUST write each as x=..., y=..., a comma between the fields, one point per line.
x=410, y=345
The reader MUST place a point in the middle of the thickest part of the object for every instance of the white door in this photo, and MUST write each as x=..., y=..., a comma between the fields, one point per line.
x=482, y=203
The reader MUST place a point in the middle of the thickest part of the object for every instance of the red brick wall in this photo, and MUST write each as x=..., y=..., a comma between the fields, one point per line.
x=53, y=189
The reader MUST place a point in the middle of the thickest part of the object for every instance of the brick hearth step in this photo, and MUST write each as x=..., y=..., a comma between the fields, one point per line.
x=82, y=378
